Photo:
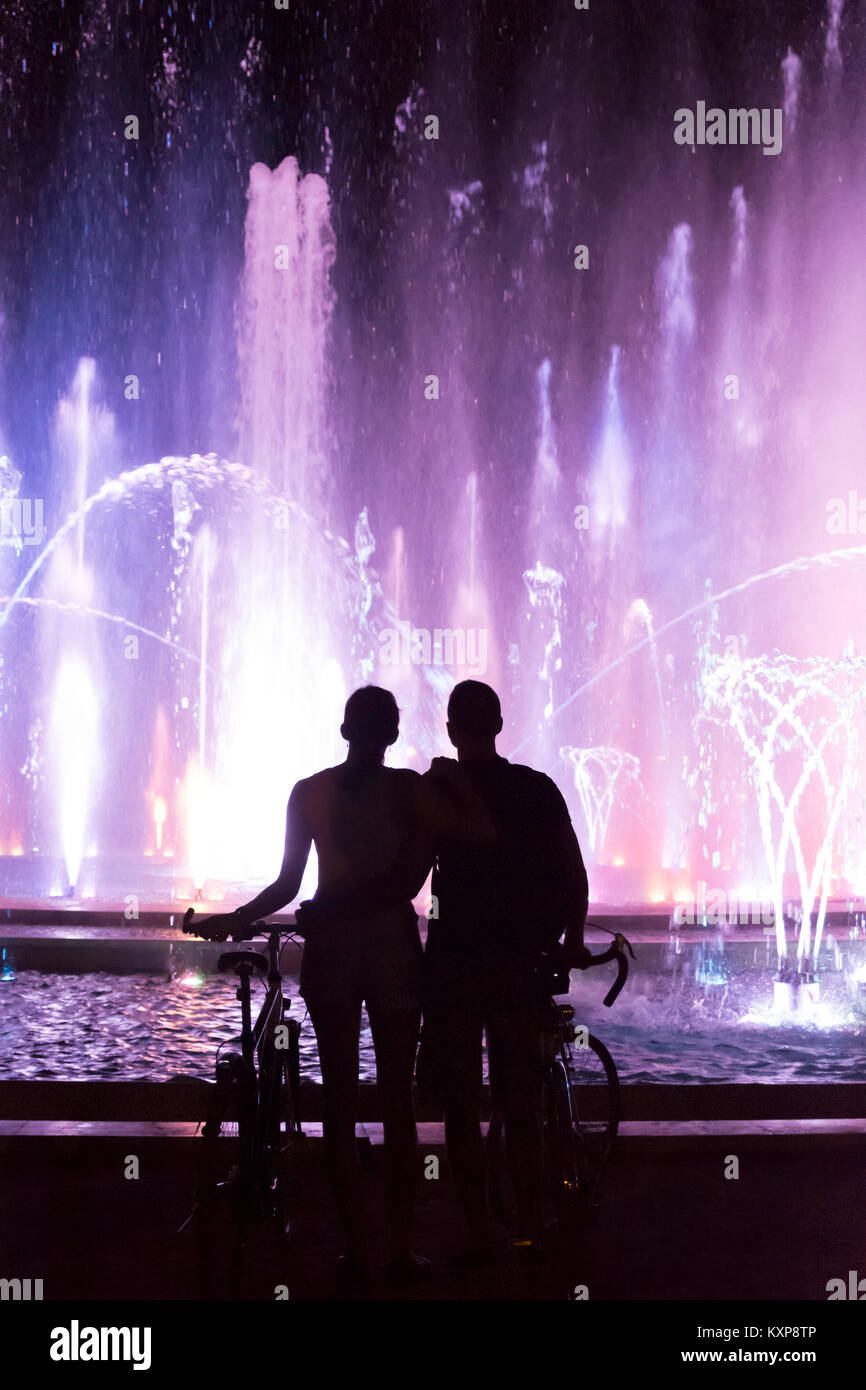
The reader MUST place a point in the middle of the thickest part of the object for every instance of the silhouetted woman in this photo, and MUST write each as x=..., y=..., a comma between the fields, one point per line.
x=363, y=817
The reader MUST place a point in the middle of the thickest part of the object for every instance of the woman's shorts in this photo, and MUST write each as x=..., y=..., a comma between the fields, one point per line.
x=377, y=962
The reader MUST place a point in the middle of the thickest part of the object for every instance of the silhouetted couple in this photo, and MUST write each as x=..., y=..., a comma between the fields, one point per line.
x=508, y=881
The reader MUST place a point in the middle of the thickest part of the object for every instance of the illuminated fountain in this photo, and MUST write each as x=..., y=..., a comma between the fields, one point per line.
x=73, y=743
x=601, y=777
x=627, y=494
x=801, y=727
x=380, y=396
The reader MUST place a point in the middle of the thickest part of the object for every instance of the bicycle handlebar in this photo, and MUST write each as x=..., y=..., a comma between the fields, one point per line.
x=553, y=972
x=248, y=934
x=614, y=952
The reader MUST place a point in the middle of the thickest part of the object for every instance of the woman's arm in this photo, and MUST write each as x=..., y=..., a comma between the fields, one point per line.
x=450, y=806
x=287, y=884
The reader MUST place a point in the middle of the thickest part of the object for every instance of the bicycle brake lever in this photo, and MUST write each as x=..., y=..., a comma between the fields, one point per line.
x=624, y=941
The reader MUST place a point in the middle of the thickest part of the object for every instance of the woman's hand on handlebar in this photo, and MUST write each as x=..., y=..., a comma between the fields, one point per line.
x=219, y=927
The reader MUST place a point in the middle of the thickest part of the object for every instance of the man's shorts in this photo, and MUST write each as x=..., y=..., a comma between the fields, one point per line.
x=377, y=962
x=465, y=1000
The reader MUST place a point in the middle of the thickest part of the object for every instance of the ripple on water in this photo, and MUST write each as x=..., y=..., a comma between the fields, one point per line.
x=663, y=1037
x=148, y=1027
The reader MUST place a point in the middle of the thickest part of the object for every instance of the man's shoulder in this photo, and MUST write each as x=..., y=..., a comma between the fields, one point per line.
x=519, y=772
x=535, y=786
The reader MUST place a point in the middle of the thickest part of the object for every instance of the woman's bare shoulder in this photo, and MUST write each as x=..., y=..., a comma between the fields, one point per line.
x=409, y=787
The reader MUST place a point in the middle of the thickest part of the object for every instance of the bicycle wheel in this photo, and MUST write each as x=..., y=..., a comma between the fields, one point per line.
x=281, y=1131
x=499, y=1188
x=562, y=1177
x=223, y=1196
x=293, y=1079
x=595, y=1110
x=560, y=1168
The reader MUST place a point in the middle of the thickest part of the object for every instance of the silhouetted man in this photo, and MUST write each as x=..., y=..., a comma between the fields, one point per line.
x=498, y=908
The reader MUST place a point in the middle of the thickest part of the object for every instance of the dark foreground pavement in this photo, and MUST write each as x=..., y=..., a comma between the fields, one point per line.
x=671, y=1225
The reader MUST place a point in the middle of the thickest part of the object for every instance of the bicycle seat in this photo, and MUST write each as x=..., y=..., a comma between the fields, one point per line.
x=233, y=960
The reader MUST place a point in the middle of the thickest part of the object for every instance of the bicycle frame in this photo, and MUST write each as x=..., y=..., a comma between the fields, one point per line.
x=254, y=1037
x=270, y=1013
x=271, y=1016
x=575, y=1148
x=258, y=1046
x=258, y=1087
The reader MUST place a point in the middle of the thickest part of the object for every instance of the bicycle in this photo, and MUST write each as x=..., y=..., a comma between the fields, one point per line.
x=253, y=1119
x=580, y=1102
